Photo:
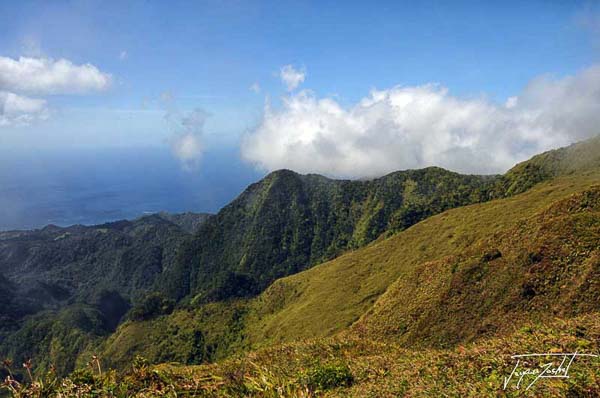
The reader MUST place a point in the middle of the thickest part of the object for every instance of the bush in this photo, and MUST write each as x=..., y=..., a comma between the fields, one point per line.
x=325, y=377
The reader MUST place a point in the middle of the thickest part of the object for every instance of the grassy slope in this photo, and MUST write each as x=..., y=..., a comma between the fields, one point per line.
x=569, y=160
x=332, y=296
x=547, y=265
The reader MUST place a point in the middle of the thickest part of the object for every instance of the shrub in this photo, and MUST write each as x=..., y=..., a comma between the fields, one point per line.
x=325, y=377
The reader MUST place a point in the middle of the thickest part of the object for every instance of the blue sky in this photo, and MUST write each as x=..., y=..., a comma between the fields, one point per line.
x=169, y=58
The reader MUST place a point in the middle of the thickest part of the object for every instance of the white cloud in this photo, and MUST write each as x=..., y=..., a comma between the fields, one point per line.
x=255, y=88
x=186, y=139
x=511, y=102
x=188, y=149
x=19, y=110
x=414, y=127
x=291, y=77
x=47, y=76
x=42, y=76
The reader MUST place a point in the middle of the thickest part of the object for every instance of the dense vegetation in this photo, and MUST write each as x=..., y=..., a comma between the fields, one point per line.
x=288, y=222
x=61, y=288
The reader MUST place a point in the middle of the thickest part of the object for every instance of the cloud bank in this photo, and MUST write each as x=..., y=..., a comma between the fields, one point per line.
x=42, y=76
x=414, y=127
x=291, y=77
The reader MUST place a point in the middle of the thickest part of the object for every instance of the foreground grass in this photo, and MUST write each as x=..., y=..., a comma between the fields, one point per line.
x=349, y=366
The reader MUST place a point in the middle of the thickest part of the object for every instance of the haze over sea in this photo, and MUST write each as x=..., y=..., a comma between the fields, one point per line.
x=66, y=187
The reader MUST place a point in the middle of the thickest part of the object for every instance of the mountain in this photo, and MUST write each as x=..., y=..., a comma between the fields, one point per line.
x=292, y=307
x=434, y=308
x=419, y=257
x=84, y=280
x=289, y=222
x=54, y=265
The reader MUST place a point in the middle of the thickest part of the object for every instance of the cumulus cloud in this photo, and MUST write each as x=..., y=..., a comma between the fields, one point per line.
x=48, y=76
x=186, y=139
x=291, y=77
x=414, y=127
x=42, y=76
x=19, y=110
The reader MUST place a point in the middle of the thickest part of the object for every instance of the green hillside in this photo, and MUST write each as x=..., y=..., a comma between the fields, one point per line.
x=570, y=160
x=348, y=366
x=448, y=267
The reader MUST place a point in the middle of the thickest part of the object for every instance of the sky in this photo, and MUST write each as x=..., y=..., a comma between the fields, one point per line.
x=346, y=89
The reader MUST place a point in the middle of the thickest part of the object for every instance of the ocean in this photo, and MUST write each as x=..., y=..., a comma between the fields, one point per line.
x=88, y=186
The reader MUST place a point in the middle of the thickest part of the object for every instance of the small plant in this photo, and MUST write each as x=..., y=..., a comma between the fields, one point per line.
x=326, y=377
x=27, y=365
x=95, y=364
x=36, y=387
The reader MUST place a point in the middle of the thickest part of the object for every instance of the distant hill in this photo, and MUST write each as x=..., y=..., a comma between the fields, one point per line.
x=80, y=278
x=54, y=264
